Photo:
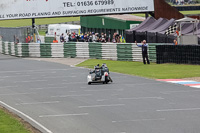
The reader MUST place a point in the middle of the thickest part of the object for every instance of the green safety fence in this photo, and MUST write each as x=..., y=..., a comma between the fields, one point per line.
x=25, y=50
x=16, y=50
x=95, y=50
x=70, y=49
x=48, y=39
x=124, y=52
x=45, y=50
x=9, y=48
x=3, y=48
x=152, y=51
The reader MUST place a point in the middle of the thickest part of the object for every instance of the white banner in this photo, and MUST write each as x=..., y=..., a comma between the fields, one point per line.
x=19, y=9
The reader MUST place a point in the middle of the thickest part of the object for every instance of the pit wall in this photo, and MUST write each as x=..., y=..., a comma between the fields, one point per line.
x=109, y=51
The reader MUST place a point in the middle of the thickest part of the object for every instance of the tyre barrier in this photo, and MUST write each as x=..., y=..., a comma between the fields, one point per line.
x=110, y=51
x=179, y=54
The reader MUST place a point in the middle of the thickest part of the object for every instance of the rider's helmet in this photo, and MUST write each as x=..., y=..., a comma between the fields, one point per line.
x=97, y=66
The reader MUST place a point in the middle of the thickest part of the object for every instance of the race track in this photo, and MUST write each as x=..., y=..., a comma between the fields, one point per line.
x=56, y=98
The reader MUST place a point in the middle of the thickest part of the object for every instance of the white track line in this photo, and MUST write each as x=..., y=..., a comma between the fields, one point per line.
x=5, y=87
x=105, y=90
x=37, y=103
x=45, y=88
x=83, y=95
x=96, y=106
x=55, y=77
x=140, y=98
x=12, y=94
x=75, y=83
x=2, y=77
x=138, y=120
x=36, y=70
x=61, y=115
x=184, y=109
x=28, y=117
x=132, y=98
x=30, y=81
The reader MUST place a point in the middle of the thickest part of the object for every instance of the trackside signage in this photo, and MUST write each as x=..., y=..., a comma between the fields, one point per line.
x=20, y=9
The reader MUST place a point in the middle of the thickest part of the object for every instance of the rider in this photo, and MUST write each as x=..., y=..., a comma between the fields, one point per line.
x=97, y=71
x=104, y=68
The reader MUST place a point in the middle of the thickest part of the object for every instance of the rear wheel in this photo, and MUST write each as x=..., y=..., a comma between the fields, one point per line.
x=106, y=80
x=89, y=83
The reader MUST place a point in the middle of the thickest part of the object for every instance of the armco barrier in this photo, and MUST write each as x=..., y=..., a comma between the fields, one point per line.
x=12, y=48
x=6, y=48
x=45, y=50
x=112, y=51
x=109, y=51
x=82, y=50
x=95, y=50
x=70, y=50
x=152, y=51
x=57, y=50
x=25, y=50
x=136, y=51
x=34, y=50
x=1, y=47
x=124, y=52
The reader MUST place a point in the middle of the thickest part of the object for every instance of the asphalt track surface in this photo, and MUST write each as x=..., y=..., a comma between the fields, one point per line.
x=56, y=98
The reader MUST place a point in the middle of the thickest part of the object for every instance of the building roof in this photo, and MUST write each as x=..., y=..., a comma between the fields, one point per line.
x=126, y=17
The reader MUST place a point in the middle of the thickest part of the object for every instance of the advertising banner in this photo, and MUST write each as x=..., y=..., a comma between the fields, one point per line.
x=20, y=9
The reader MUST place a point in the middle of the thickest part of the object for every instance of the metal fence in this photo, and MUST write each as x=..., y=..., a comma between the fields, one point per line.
x=14, y=34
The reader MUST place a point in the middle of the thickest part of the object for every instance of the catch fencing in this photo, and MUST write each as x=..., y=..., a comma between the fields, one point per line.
x=108, y=51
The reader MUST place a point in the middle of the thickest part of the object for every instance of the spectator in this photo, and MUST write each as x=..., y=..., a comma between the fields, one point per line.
x=144, y=51
x=117, y=37
x=70, y=38
x=175, y=42
x=29, y=38
x=90, y=37
x=114, y=40
x=67, y=38
x=103, y=37
x=109, y=37
x=62, y=38
x=38, y=40
x=122, y=39
x=93, y=37
x=85, y=38
x=17, y=40
x=97, y=37
x=55, y=40
x=106, y=37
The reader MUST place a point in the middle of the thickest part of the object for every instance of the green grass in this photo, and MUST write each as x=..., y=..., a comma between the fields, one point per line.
x=140, y=14
x=10, y=125
x=155, y=71
x=41, y=21
x=42, y=32
x=190, y=12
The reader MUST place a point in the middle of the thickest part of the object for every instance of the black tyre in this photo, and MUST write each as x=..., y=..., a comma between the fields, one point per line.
x=106, y=80
x=89, y=83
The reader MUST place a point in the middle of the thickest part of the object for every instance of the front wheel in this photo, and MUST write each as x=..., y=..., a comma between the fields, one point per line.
x=89, y=83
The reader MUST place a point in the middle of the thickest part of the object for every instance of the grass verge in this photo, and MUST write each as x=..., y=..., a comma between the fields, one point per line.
x=190, y=12
x=11, y=123
x=8, y=124
x=155, y=71
x=42, y=32
x=40, y=21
